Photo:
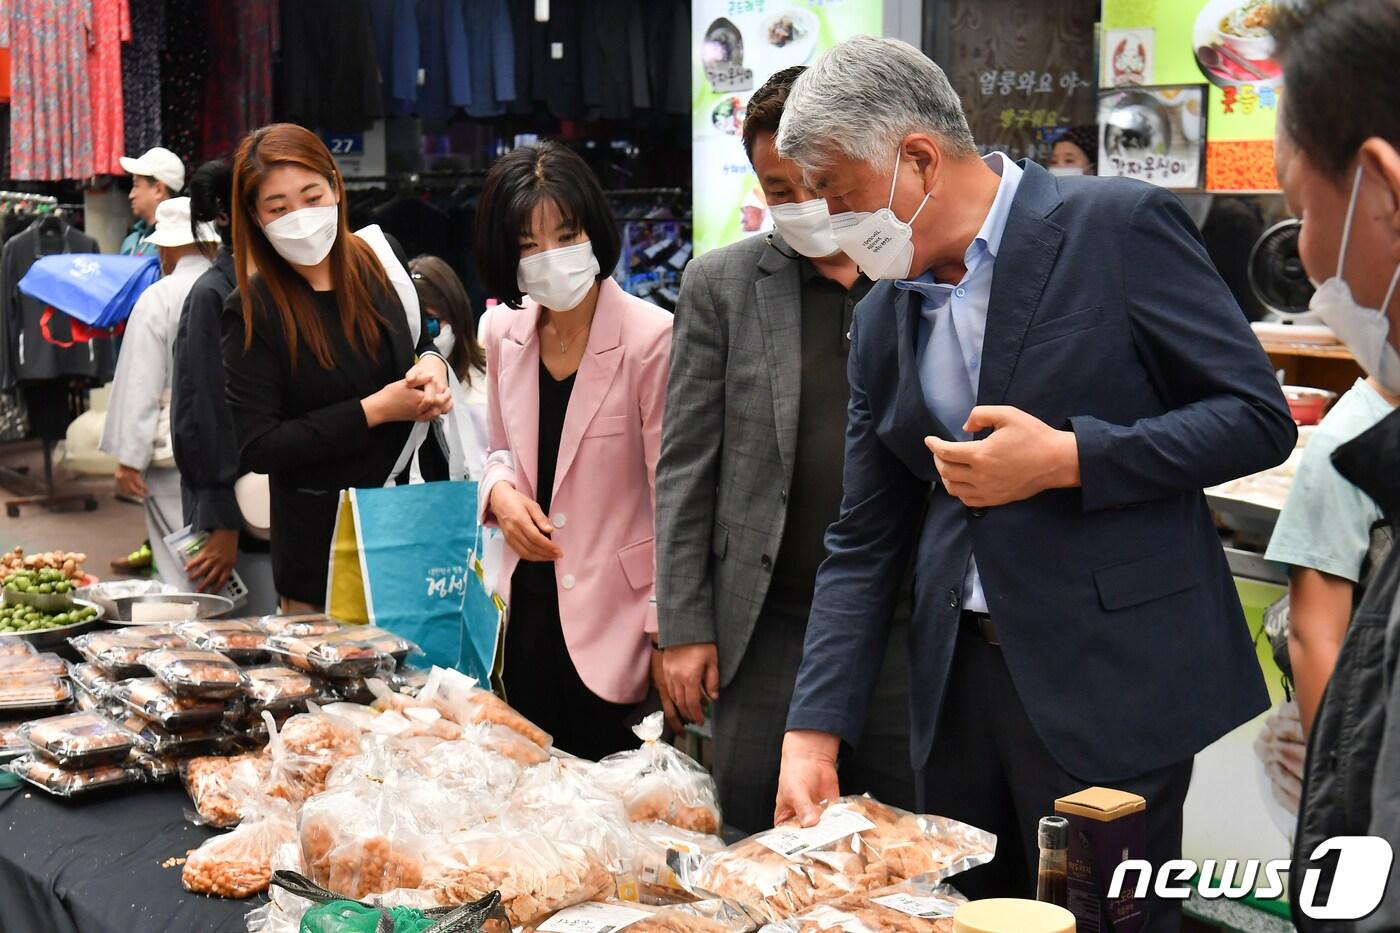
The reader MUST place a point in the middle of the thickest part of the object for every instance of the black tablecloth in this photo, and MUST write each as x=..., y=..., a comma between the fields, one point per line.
x=93, y=865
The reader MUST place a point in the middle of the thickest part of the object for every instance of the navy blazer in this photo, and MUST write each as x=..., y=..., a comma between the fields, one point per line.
x=1116, y=610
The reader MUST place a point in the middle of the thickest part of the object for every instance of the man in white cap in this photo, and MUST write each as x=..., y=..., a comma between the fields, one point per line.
x=137, y=433
x=155, y=177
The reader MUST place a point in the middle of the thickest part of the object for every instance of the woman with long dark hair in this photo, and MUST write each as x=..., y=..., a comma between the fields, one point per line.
x=578, y=383
x=326, y=372
x=450, y=320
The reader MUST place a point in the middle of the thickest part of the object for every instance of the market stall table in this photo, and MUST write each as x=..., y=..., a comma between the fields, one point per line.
x=94, y=865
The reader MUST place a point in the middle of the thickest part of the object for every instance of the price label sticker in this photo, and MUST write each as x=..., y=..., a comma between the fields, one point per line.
x=796, y=842
x=925, y=908
x=592, y=918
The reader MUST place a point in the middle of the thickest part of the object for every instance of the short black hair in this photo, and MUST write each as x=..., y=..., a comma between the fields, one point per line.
x=521, y=179
x=1332, y=50
x=765, y=108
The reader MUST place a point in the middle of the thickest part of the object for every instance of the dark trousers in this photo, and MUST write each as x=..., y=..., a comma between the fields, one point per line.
x=990, y=768
x=750, y=719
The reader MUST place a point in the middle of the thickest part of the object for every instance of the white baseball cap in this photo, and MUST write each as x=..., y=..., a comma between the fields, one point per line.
x=173, y=225
x=158, y=163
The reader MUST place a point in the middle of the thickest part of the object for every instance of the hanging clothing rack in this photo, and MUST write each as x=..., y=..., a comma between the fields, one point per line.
x=33, y=198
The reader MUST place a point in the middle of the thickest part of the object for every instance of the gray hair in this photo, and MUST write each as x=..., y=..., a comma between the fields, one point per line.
x=862, y=98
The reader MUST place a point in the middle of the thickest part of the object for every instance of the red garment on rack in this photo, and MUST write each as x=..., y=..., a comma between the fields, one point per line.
x=50, y=110
x=111, y=26
x=243, y=38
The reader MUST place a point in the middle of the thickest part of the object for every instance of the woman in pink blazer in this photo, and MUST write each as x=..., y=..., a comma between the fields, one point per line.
x=576, y=377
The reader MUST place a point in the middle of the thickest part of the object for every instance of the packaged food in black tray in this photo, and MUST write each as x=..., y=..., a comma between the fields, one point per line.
x=50, y=777
x=410, y=680
x=352, y=690
x=195, y=672
x=153, y=700
x=236, y=639
x=80, y=741
x=210, y=738
x=344, y=658
x=299, y=625
x=47, y=663
x=12, y=645
x=378, y=638
x=157, y=768
x=278, y=688
x=92, y=679
x=11, y=745
x=28, y=696
x=119, y=652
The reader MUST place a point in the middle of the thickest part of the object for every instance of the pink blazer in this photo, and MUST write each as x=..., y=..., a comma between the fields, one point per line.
x=604, y=502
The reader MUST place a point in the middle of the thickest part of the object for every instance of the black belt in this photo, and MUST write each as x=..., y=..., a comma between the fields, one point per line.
x=981, y=624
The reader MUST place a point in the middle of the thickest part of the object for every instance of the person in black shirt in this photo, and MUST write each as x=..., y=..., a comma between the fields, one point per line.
x=326, y=372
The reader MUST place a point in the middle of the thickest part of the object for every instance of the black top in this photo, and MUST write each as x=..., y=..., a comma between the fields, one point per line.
x=814, y=499
x=201, y=424
x=554, y=405
x=305, y=427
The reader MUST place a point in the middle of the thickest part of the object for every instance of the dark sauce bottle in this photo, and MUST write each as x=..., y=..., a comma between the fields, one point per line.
x=1052, y=882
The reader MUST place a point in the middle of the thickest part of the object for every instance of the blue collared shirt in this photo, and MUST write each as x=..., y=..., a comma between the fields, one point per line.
x=967, y=301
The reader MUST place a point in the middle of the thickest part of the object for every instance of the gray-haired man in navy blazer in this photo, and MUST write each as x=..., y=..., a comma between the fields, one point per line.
x=1047, y=377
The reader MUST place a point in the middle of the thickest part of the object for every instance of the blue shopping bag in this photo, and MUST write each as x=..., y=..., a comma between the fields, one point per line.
x=483, y=618
x=98, y=290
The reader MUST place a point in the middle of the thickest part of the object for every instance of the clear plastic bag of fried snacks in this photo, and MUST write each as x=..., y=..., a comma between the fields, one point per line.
x=857, y=846
x=535, y=874
x=660, y=855
x=211, y=782
x=304, y=750
x=660, y=783
x=561, y=800
x=239, y=863
x=275, y=688
x=195, y=672
x=605, y=916
x=474, y=764
x=345, y=657
x=907, y=907
x=299, y=624
x=118, y=653
x=80, y=741
x=46, y=663
x=152, y=699
x=373, y=834
x=458, y=698
x=238, y=640
x=61, y=782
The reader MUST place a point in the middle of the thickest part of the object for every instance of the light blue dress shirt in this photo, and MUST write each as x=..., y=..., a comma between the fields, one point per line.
x=952, y=324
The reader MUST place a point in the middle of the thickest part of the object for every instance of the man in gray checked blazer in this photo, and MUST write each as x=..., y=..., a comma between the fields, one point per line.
x=750, y=477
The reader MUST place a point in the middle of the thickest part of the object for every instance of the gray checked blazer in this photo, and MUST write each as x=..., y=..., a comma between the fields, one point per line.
x=728, y=443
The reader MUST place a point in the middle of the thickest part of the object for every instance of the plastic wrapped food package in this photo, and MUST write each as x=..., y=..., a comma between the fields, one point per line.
x=118, y=653
x=381, y=640
x=30, y=695
x=46, y=663
x=304, y=750
x=64, y=783
x=284, y=910
x=471, y=765
x=238, y=864
x=278, y=688
x=536, y=876
x=194, y=672
x=344, y=658
x=410, y=681
x=559, y=799
x=150, y=698
x=154, y=739
x=13, y=646
x=606, y=916
x=157, y=768
x=373, y=834
x=907, y=907
x=79, y=741
x=236, y=639
x=91, y=678
x=857, y=846
x=660, y=849
x=11, y=744
x=299, y=624
x=660, y=783
x=211, y=782
x=457, y=697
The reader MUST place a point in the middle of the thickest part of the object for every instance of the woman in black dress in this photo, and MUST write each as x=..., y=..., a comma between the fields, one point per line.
x=326, y=373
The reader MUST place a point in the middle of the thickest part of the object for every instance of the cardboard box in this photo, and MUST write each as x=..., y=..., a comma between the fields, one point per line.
x=1106, y=827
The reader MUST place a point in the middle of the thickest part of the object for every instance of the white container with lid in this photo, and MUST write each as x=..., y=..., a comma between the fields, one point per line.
x=1010, y=915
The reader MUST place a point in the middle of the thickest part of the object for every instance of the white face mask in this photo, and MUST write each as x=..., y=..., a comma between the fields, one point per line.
x=559, y=278
x=304, y=237
x=1365, y=331
x=1065, y=171
x=880, y=243
x=806, y=227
